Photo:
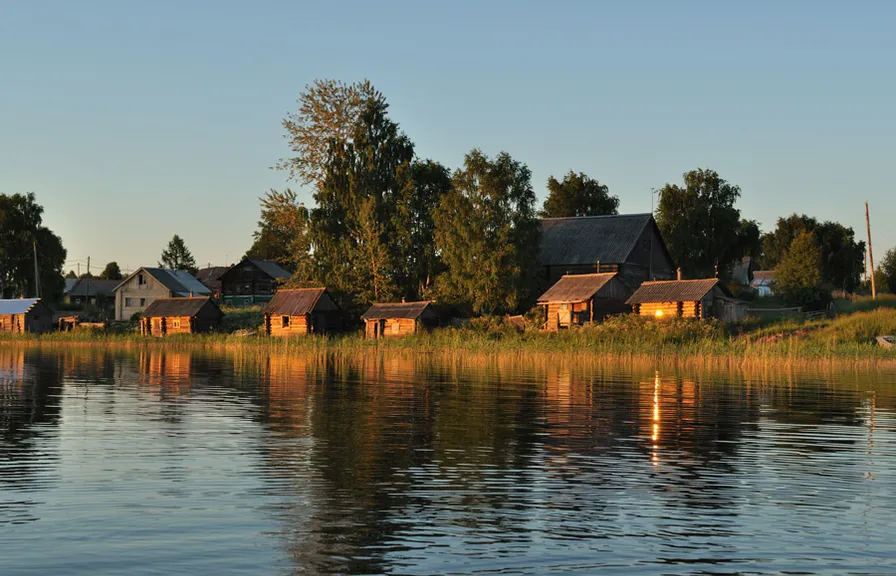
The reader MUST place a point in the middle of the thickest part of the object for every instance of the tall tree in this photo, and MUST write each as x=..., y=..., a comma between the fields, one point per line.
x=283, y=233
x=21, y=230
x=842, y=257
x=111, y=271
x=887, y=268
x=71, y=275
x=701, y=225
x=578, y=195
x=177, y=256
x=798, y=274
x=488, y=235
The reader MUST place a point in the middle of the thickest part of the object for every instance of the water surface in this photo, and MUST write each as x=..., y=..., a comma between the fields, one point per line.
x=157, y=462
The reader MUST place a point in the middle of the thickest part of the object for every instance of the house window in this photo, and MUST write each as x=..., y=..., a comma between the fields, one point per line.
x=396, y=327
x=284, y=321
x=141, y=280
x=176, y=322
x=142, y=302
x=129, y=302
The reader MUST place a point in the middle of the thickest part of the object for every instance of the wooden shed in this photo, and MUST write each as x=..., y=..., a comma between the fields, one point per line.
x=167, y=316
x=578, y=299
x=394, y=319
x=301, y=311
x=25, y=315
x=705, y=298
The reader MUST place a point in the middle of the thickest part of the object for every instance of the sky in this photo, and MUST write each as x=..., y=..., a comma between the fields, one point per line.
x=135, y=121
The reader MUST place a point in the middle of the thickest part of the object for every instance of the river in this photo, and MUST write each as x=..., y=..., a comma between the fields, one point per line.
x=167, y=462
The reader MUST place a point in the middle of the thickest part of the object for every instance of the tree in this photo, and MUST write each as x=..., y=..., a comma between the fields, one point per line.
x=177, y=256
x=283, y=233
x=842, y=258
x=111, y=271
x=887, y=269
x=798, y=274
x=488, y=235
x=701, y=226
x=578, y=195
x=21, y=231
x=71, y=275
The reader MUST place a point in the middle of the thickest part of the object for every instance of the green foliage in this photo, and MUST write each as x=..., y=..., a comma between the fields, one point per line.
x=111, y=272
x=488, y=235
x=177, y=256
x=887, y=272
x=21, y=228
x=701, y=225
x=798, y=274
x=842, y=259
x=71, y=274
x=283, y=234
x=578, y=195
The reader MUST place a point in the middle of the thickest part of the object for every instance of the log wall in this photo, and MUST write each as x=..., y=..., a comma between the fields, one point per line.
x=298, y=325
x=390, y=327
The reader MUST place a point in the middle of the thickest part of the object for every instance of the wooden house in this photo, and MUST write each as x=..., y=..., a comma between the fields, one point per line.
x=211, y=279
x=167, y=316
x=705, y=298
x=628, y=244
x=578, y=299
x=252, y=281
x=141, y=288
x=393, y=319
x=301, y=311
x=90, y=291
x=25, y=315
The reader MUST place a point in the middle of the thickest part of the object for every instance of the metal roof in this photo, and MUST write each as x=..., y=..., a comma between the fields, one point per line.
x=92, y=287
x=299, y=302
x=408, y=310
x=180, y=282
x=211, y=274
x=17, y=306
x=576, y=287
x=271, y=268
x=590, y=239
x=675, y=291
x=177, y=307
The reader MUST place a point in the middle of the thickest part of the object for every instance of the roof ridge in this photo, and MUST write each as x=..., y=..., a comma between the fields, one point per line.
x=597, y=216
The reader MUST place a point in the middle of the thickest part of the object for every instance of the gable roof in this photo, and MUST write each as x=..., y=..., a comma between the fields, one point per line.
x=180, y=282
x=178, y=307
x=591, y=239
x=576, y=287
x=92, y=287
x=69, y=284
x=675, y=291
x=211, y=274
x=17, y=306
x=407, y=310
x=272, y=269
x=299, y=301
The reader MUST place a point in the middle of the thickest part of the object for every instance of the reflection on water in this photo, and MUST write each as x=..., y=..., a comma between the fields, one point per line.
x=157, y=462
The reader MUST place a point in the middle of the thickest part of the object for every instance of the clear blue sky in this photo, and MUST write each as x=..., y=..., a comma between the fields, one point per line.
x=132, y=121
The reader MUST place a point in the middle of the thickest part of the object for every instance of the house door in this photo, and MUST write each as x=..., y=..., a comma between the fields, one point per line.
x=564, y=315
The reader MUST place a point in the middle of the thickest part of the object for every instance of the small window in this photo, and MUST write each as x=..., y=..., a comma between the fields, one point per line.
x=176, y=322
x=129, y=302
x=141, y=280
x=142, y=302
x=284, y=321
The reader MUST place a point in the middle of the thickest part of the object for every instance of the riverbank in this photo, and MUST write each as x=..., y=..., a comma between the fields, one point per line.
x=849, y=338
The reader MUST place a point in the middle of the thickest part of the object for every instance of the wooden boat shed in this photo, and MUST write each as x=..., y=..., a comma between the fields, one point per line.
x=25, y=315
x=300, y=312
x=167, y=316
x=704, y=298
x=393, y=319
x=577, y=299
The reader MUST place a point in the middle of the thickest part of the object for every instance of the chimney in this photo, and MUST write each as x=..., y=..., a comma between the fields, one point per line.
x=678, y=274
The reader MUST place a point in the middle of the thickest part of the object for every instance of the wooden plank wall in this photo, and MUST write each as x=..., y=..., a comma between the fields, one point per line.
x=392, y=327
x=11, y=323
x=298, y=325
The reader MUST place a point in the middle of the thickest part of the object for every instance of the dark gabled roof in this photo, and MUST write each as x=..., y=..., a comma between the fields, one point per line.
x=17, y=306
x=181, y=282
x=69, y=284
x=299, y=302
x=407, y=310
x=177, y=306
x=576, y=287
x=590, y=239
x=675, y=291
x=271, y=268
x=211, y=274
x=92, y=287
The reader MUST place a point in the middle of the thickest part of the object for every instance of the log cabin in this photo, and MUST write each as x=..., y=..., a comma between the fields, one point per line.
x=141, y=288
x=22, y=315
x=169, y=316
x=578, y=299
x=252, y=281
x=301, y=311
x=705, y=298
x=629, y=244
x=394, y=319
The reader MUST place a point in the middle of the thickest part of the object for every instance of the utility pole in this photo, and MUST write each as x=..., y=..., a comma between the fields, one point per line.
x=87, y=295
x=36, y=275
x=650, y=255
x=870, y=253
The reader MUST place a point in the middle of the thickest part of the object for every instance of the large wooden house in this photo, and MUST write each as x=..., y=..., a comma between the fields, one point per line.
x=704, y=298
x=628, y=244
x=252, y=281
x=577, y=299
x=300, y=312
x=90, y=291
x=394, y=319
x=25, y=315
x=168, y=316
x=144, y=286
